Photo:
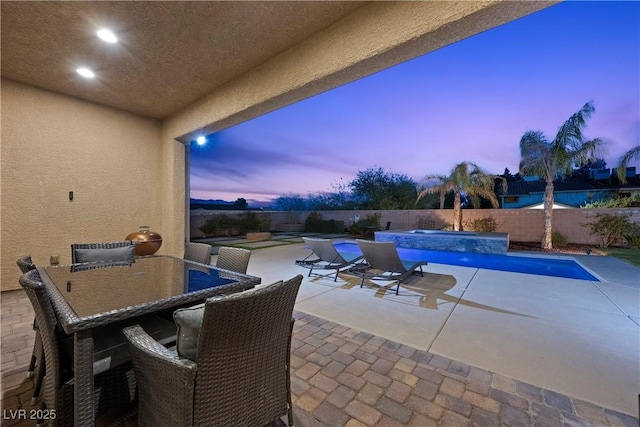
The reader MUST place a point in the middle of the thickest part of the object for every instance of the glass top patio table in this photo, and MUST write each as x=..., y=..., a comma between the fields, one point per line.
x=88, y=296
x=92, y=292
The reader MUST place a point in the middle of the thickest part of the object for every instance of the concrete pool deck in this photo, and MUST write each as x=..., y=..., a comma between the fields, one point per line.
x=574, y=337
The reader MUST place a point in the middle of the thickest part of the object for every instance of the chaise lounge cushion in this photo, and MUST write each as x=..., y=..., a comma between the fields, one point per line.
x=105, y=254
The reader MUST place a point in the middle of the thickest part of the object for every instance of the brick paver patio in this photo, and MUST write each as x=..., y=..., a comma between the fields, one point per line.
x=345, y=377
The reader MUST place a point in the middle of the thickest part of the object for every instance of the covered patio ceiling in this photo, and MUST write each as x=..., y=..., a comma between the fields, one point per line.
x=172, y=54
x=169, y=54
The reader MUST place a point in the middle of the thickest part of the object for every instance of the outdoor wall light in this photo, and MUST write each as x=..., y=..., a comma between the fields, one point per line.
x=107, y=35
x=201, y=140
x=85, y=72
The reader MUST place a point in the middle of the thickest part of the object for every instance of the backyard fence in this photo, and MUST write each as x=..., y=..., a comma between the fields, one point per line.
x=523, y=225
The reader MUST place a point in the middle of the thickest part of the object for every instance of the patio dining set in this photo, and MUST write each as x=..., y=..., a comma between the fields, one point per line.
x=116, y=330
x=119, y=332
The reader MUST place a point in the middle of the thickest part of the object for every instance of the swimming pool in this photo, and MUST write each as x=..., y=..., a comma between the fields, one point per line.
x=518, y=264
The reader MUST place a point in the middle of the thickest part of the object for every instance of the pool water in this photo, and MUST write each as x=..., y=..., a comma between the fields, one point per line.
x=517, y=264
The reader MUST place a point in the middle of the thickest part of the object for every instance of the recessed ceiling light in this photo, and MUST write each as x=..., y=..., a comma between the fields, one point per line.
x=85, y=72
x=107, y=36
x=201, y=140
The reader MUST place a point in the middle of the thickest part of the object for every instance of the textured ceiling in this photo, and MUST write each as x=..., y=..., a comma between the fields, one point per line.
x=169, y=53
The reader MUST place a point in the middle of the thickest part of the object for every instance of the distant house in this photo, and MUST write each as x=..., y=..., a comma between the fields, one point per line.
x=571, y=192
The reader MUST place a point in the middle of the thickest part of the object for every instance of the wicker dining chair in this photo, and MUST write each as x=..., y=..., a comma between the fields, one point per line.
x=25, y=263
x=104, y=251
x=234, y=259
x=240, y=375
x=197, y=252
x=113, y=386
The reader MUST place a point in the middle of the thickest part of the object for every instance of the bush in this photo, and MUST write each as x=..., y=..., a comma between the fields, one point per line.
x=250, y=221
x=208, y=229
x=558, y=240
x=632, y=235
x=225, y=225
x=363, y=227
x=615, y=202
x=220, y=225
x=315, y=224
x=314, y=216
x=481, y=225
x=610, y=228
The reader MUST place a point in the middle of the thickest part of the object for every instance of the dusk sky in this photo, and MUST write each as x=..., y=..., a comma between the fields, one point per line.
x=470, y=101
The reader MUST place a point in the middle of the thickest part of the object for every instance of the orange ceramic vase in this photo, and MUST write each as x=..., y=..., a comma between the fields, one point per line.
x=147, y=242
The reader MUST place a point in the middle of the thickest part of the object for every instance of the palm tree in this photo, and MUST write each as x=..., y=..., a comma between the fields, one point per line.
x=438, y=184
x=634, y=153
x=465, y=178
x=549, y=158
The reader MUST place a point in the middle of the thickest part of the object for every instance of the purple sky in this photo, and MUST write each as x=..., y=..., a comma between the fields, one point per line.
x=470, y=101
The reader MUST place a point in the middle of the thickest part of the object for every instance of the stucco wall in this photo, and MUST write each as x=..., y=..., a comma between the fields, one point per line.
x=52, y=144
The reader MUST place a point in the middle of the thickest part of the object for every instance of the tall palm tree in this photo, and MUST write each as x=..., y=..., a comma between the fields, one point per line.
x=634, y=153
x=547, y=159
x=465, y=178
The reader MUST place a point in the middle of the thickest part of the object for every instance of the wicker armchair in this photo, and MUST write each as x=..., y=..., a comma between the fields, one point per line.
x=234, y=259
x=241, y=373
x=197, y=252
x=26, y=264
x=104, y=251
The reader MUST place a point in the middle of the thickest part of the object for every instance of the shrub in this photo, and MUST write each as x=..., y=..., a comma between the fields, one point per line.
x=208, y=229
x=558, y=240
x=632, y=235
x=324, y=226
x=219, y=225
x=610, y=228
x=250, y=221
x=312, y=221
x=365, y=225
x=482, y=225
x=315, y=224
x=615, y=202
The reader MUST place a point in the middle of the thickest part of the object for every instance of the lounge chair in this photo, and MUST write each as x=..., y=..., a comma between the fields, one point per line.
x=382, y=262
x=327, y=257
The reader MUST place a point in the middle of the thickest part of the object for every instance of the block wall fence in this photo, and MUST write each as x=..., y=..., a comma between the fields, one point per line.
x=523, y=225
